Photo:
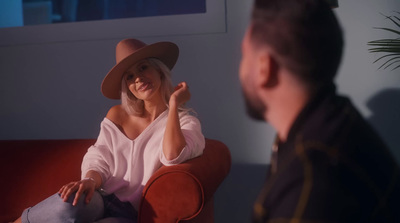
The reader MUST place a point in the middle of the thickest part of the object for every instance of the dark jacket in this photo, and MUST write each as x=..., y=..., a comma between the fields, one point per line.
x=332, y=168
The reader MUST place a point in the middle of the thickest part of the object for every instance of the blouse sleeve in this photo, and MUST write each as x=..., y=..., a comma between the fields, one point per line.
x=99, y=156
x=195, y=141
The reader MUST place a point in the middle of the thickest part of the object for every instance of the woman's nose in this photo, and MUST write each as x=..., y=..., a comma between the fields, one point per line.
x=138, y=78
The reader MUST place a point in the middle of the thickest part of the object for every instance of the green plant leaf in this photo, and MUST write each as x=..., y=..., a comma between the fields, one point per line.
x=381, y=41
x=388, y=55
x=384, y=50
x=390, y=62
x=389, y=47
x=396, y=67
x=393, y=20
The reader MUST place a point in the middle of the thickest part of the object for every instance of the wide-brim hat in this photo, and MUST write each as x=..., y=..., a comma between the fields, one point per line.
x=130, y=51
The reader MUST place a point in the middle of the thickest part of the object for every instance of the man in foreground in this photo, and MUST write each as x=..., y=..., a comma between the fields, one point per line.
x=328, y=164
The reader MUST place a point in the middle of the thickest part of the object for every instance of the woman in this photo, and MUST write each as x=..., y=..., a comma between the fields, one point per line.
x=150, y=128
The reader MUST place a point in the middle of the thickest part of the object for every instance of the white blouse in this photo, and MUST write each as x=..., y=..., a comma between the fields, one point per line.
x=126, y=165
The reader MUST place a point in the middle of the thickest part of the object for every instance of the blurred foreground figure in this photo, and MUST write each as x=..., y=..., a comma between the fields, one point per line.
x=328, y=164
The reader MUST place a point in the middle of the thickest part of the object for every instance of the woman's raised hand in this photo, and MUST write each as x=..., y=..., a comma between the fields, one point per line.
x=180, y=95
x=86, y=186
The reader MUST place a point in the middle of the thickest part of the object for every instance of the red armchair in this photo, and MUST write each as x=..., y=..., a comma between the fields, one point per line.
x=31, y=170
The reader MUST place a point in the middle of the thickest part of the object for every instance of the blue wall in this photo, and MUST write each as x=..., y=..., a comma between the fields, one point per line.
x=11, y=13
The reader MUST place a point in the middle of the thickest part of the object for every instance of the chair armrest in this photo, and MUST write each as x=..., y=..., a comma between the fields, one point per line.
x=179, y=192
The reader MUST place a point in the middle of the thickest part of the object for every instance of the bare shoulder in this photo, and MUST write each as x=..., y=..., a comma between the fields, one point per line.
x=116, y=114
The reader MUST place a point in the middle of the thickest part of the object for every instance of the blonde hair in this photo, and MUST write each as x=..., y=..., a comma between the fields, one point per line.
x=135, y=106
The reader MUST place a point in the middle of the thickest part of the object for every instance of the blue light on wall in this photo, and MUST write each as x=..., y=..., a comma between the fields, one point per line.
x=11, y=13
x=35, y=12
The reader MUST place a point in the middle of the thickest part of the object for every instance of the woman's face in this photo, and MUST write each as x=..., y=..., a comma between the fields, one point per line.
x=143, y=80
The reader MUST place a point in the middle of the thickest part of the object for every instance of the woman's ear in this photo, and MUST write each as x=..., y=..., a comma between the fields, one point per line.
x=268, y=70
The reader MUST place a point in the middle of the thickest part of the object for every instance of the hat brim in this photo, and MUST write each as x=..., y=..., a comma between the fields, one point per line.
x=166, y=52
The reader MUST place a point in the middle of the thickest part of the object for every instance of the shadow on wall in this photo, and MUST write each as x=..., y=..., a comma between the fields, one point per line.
x=385, y=118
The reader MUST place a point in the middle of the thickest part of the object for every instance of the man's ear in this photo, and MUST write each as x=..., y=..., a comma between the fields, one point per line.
x=268, y=70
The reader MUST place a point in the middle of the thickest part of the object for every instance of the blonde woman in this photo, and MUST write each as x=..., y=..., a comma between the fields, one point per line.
x=150, y=128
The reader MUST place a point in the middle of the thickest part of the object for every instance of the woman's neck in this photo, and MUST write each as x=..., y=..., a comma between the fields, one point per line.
x=152, y=109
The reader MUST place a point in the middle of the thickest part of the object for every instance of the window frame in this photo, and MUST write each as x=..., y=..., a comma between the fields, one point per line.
x=212, y=21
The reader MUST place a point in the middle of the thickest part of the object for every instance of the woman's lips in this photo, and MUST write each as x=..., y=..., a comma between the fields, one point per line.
x=144, y=86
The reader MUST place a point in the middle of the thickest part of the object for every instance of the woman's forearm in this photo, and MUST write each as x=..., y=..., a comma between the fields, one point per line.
x=174, y=141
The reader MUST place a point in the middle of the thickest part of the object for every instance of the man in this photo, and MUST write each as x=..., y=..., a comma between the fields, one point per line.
x=328, y=164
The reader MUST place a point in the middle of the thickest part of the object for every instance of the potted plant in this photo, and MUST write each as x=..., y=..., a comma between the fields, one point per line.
x=389, y=47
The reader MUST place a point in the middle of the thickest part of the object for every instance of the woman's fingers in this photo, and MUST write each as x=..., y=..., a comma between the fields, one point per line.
x=80, y=188
x=89, y=196
x=181, y=93
x=181, y=87
x=78, y=194
x=61, y=190
x=67, y=190
x=177, y=87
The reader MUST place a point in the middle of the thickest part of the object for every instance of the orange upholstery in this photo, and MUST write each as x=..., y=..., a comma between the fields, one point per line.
x=31, y=170
x=180, y=192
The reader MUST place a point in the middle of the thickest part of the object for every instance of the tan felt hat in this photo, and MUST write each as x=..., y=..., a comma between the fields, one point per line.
x=130, y=51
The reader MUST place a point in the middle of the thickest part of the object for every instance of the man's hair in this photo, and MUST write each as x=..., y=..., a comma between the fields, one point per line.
x=303, y=35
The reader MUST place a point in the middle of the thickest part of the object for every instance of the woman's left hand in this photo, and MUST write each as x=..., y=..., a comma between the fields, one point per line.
x=84, y=187
x=180, y=95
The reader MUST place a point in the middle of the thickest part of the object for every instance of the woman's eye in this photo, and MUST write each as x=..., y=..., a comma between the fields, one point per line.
x=129, y=77
x=143, y=67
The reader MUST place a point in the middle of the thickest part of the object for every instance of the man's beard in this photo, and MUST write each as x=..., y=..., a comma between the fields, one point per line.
x=255, y=108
